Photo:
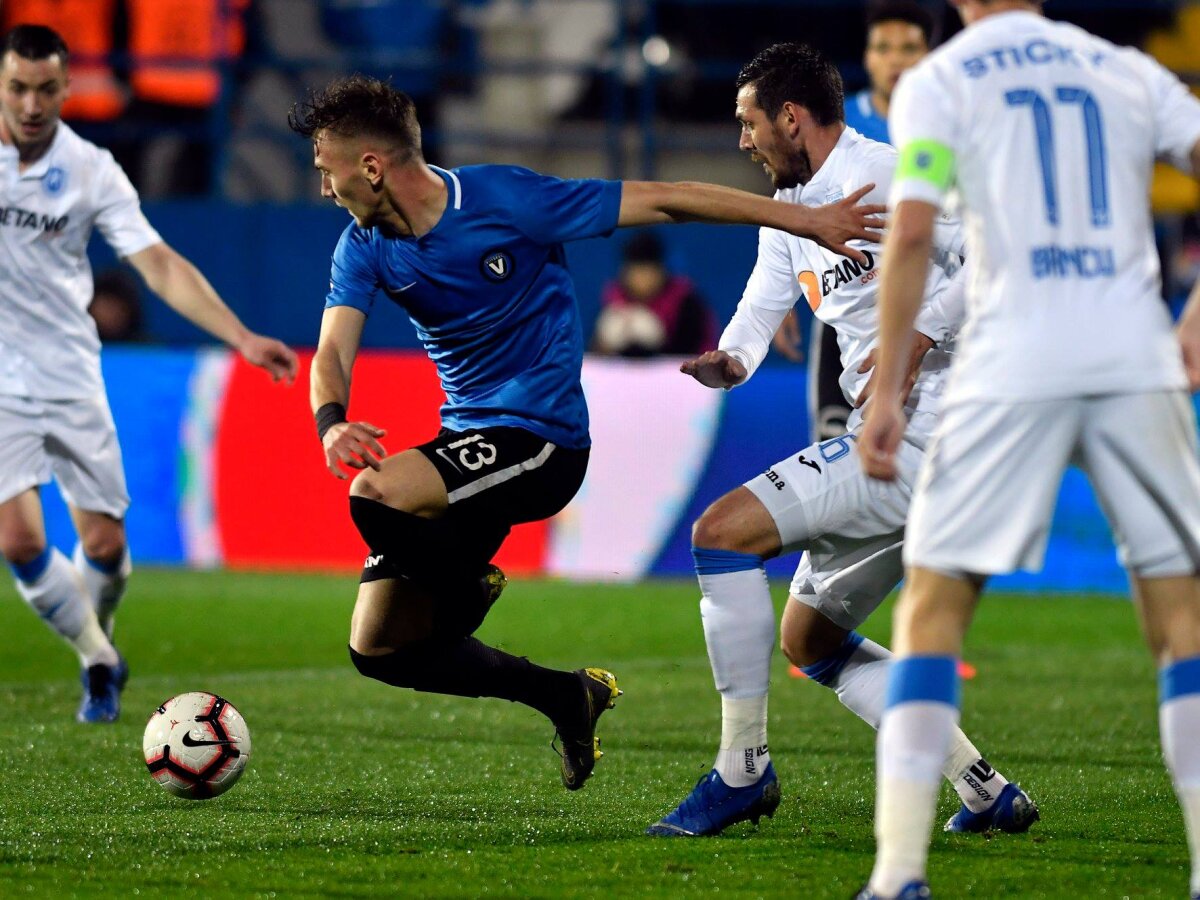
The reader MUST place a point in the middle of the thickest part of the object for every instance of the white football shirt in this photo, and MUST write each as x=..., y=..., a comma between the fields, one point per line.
x=843, y=293
x=48, y=343
x=1049, y=134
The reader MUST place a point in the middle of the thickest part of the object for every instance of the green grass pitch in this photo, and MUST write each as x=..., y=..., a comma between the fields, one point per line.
x=357, y=789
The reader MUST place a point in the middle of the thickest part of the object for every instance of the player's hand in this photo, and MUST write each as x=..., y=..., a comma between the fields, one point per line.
x=276, y=357
x=1189, y=344
x=353, y=444
x=880, y=438
x=921, y=345
x=715, y=369
x=787, y=339
x=834, y=224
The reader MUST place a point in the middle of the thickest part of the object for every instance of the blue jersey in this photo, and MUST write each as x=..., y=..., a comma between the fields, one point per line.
x=862, y=117
x=489, y=294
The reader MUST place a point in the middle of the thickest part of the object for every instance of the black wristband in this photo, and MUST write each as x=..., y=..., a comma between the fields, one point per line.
x=327, y=416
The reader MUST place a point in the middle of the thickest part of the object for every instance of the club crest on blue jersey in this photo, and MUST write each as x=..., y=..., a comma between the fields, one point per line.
x=54, y=180
x=496, y=265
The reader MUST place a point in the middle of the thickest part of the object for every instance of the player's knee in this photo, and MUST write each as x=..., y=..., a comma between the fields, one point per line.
x=805, y=648
x=737, y=523
x=366, y=484
x=107, y=548
x=19, y=546
x=401, y=667
x=715, y=530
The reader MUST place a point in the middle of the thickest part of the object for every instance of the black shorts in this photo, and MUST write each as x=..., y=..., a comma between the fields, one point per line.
x=495, y=478
x=505, y=475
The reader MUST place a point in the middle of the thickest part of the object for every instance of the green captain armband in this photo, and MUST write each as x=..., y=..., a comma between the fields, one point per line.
x=928, y=161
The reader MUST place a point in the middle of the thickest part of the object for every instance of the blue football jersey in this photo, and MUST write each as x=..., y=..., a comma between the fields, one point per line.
x=862, y=117
x=489, y=294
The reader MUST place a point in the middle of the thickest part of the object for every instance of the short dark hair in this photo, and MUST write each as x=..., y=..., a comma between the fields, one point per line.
x=34, y=42
x=359, y=105
x=902, y=11
x=795, y=73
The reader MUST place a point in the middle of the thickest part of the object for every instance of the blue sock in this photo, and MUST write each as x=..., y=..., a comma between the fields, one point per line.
x=722, y=562
x=924, y=679
x=34, y=569
x=108, y=568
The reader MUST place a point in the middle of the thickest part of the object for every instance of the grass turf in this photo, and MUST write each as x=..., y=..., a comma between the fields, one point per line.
x=358, y=789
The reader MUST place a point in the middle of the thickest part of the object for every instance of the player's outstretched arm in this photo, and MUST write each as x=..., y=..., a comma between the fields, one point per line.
x=902, y=285
x=353, y=444
x=832, y=226
x=187, y=291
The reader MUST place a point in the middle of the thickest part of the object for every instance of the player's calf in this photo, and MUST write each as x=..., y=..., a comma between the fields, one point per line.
x=466, y=667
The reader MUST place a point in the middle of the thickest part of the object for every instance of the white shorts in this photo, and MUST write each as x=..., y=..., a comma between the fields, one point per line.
x=75, y=441
x=985, y=497
x=852, y=526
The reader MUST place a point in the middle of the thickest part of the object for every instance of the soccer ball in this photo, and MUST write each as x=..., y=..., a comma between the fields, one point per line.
x=196, y=745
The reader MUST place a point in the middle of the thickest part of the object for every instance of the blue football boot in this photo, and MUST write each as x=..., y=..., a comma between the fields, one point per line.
x=713, y=806
x=1013, y=812
x=914, y=890
x=102, y=686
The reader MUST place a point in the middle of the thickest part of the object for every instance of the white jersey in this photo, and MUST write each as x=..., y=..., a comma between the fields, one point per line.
x=1050, y=135
x=843, y=293
x=48, y=343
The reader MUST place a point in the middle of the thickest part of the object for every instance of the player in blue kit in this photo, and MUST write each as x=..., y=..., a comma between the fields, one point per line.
x=474, y=256
x=899, y=34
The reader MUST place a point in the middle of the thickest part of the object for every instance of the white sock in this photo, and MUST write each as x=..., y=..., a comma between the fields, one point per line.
x=739, y=629
x=861, y=684
x=58, y=597
x=914, y=737
x=743, y=756
x=104, y=589
x=1179, y=727
x=977, y=783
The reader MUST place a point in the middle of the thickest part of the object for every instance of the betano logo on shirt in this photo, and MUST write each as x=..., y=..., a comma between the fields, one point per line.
x=26, y=218
x=815, y=290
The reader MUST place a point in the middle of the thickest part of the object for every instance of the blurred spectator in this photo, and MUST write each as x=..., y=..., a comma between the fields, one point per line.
x=899, y=33
x=648, y=311
x=88, y=28
x=177, y=51
x=116, y=307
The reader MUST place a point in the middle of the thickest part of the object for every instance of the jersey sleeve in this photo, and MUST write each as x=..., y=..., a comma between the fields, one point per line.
x=352, y=278
x=923, y=122
x=770, y=292
x=555, y=210
x=119, y=213
x=941, y=316
x=1176, y=114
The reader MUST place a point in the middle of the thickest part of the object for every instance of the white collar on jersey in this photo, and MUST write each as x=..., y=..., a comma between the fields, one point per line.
x=42, y=166
x=453, y=180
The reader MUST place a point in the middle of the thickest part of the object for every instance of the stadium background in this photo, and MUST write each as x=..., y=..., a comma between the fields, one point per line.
x=571, y=87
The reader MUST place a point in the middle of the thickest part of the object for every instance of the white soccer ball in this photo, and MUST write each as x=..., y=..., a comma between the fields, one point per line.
x=196, y=745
